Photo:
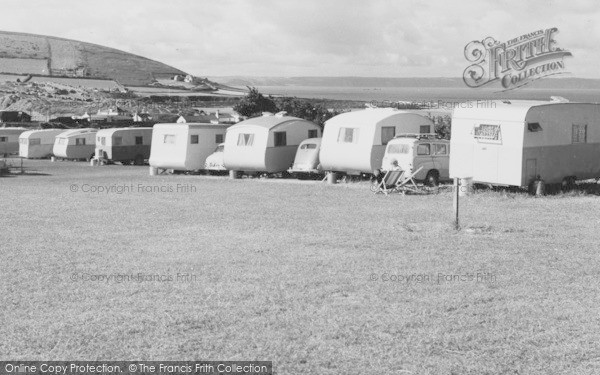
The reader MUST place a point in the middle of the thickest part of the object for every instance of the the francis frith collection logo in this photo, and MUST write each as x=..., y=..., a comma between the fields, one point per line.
x=516, y=62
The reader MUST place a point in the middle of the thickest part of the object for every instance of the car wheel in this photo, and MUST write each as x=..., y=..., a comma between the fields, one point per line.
x=433, y=178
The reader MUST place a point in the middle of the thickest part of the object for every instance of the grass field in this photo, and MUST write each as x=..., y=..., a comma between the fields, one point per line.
x=319, y=279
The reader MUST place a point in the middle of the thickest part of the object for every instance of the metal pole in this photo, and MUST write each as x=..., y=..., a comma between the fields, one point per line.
x=455, y=203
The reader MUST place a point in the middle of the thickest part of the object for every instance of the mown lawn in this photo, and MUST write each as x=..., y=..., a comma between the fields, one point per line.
x=283, y=271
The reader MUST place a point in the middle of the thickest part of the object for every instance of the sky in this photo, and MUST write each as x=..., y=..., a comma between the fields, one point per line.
x=285, y=38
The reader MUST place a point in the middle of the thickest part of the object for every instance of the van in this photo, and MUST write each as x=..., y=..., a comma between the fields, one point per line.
x=414, y=151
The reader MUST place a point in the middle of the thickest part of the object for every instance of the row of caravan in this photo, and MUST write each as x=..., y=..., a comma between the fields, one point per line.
x=502, y=143
x=352, y=142
x=72, y=144
x=121, y=144
x=509, y=143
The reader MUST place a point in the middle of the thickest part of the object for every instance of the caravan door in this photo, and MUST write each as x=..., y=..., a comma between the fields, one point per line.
x=486, y=152
x=485, y=163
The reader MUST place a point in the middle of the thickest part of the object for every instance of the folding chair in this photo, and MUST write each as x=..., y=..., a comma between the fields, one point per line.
x=407, y=183
x=388, y=183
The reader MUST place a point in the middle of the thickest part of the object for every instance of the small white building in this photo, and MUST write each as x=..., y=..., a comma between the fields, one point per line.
x=124, y=145
x=76, y=144
x=184, y=147
x=9, y=140
x=510, y=143
x=267, y=143
x=35, y=144
x=354, y=142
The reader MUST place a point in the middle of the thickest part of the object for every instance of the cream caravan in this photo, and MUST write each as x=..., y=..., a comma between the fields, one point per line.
x=354, y=142
x=511, y=143
x=184, y=147
x=76, y=144
x=9, y=140
x=266, y=144
x=34, y=144
x=125, y=145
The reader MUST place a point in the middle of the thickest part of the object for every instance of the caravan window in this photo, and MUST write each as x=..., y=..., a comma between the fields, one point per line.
x=423, y=149
x=118, y=141
x=139, y=140
x=313, y=133
x=169, y=138
x=487, y=132
x=579, y=133
x=425, y=129
x=245, y=139
x=219, y=138
x=534, y=126
x=3, y=139
x=280, y=139
x=23, y=141
x=348, y=135
x=401, y=148
x=80, y=141
x=60, y=141
x=387, y=134
x=103, y=141
x=35, y=141
x=194, y=139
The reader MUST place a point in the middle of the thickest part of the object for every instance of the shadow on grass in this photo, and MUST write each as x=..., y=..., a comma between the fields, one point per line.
x=26, y=173
x=589, y=187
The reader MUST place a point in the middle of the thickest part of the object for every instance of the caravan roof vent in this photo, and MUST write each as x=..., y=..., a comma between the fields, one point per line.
x=265, y=114
x=506, y=102
x=281, y=114
x=559, y=99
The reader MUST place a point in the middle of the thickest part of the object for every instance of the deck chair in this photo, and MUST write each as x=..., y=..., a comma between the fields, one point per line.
x=389, y=182
x=407, y=183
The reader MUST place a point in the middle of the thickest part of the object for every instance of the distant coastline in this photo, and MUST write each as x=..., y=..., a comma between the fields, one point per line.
x=413, y=89
x=426, y=94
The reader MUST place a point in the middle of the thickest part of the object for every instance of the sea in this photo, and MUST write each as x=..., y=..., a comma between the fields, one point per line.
x=444, y=95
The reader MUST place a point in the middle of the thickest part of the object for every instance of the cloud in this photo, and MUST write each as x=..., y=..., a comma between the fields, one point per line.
x=325, y=37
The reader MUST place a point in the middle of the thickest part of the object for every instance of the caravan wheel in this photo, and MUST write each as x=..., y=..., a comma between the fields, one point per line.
x=568, y=183
x=139, y=160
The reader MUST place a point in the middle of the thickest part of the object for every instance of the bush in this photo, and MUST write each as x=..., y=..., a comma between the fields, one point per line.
x=254, y=104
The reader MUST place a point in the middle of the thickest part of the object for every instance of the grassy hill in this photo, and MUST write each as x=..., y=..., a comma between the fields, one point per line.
x=45, y=55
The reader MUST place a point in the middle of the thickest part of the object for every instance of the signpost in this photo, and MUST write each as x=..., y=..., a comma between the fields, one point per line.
x=455, y=196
